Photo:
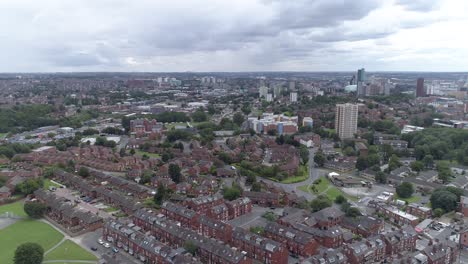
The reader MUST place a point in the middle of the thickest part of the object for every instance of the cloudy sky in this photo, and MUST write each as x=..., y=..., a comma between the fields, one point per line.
x=233, y=35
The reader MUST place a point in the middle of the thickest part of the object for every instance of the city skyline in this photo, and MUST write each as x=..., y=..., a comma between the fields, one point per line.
x=310, y=36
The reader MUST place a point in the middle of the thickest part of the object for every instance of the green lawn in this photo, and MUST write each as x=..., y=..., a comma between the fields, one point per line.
x=69, y=250
x=303, y=174
x=412, y=199
x=151, y=155
x=48, y=183
x=26, y=231
x=110, y=209
x=15, y=208
x=173, y=125
x=325, y=187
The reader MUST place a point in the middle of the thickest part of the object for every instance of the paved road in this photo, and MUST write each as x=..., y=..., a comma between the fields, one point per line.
x=314, y=174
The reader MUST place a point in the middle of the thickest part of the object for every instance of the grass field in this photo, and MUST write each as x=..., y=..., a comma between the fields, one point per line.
x=325, y=187
x=303, y=174
x=26, y=231
x=412, y=199
x=151, y=155
x=69, y=250
x=15, y=208
x=48, y=183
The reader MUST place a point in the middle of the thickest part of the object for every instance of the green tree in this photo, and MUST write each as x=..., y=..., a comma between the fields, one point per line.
x=340, y=199
x=349, y=151
x=362, y=163
x=256, y=187
x=29, y=253
x=199, y=116
x=132, y=152
x=381, y=177
x=394, y=162
x=35, y=209
x=191, y=247
x=319, y=203
x=304, y=153
x=405, y=190
x=161, y=194
x=319, y=158
x=29, y=186
x=353, y=212
x=417, y=166
x=174, y=173
x=232, y=193
x=83, y=172
x=442, y=198
x=146, y=177
x=238, y=118
x=443, y=171
x=428, y=161
x=438, y=212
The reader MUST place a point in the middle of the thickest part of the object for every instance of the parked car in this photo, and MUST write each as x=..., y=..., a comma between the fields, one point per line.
x=106, y=245
x=116, y=250
x=100, y=241
x=93, y=248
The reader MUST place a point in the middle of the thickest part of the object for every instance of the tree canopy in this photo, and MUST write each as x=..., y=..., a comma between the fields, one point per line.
x=29, y=253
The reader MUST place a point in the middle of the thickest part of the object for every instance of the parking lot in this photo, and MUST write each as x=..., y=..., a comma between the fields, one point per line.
x=83, y=202
x=90, y=240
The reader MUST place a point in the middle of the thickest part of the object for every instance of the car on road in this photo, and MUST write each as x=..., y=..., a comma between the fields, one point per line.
x=106, y=245
x=100, y=241
x=116, y=250
x=94, y=248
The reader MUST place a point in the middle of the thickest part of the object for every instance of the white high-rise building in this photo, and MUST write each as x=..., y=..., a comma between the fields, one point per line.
x=293, y=97
x=346, y=118
x=263, y=91
x=269, y=97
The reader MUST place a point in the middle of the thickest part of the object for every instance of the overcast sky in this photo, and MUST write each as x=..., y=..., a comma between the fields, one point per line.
x=233, y=35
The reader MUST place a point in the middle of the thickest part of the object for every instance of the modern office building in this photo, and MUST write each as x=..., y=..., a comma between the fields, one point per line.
x=346, y=118
x=293, y=97
x=282, y=124
x=361, y=82
x=263, y=91
x=420, y=91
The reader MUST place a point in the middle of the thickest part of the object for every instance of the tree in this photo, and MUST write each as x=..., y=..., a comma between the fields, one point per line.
x=250, y=179
x=29, y=186
x=340, y=199
x=238, y=118
x=444, y=172
x=304, y=153
x=417, y=166
x=353, y=212
x=349, y=151
x=29, y=253
x=232, y=193
x=319, y=158
x=122, y=152
x=394, y=162
x=132, y=152
x=199, y=116
x=381, y=177
x=405, y=190
x=83, y=172
x=271, y=132
x=445, y=198
x=146, y=177
x=428, y=161
x=319, y=203
x=361, y=163
x=191, y=247
x=35, y=209
x=438, y=212
x=256, y=187
x=160, y=195
x=174, y=173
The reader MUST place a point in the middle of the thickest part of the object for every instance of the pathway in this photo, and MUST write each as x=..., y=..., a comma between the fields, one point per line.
x=69, y=261
x=77, y=240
